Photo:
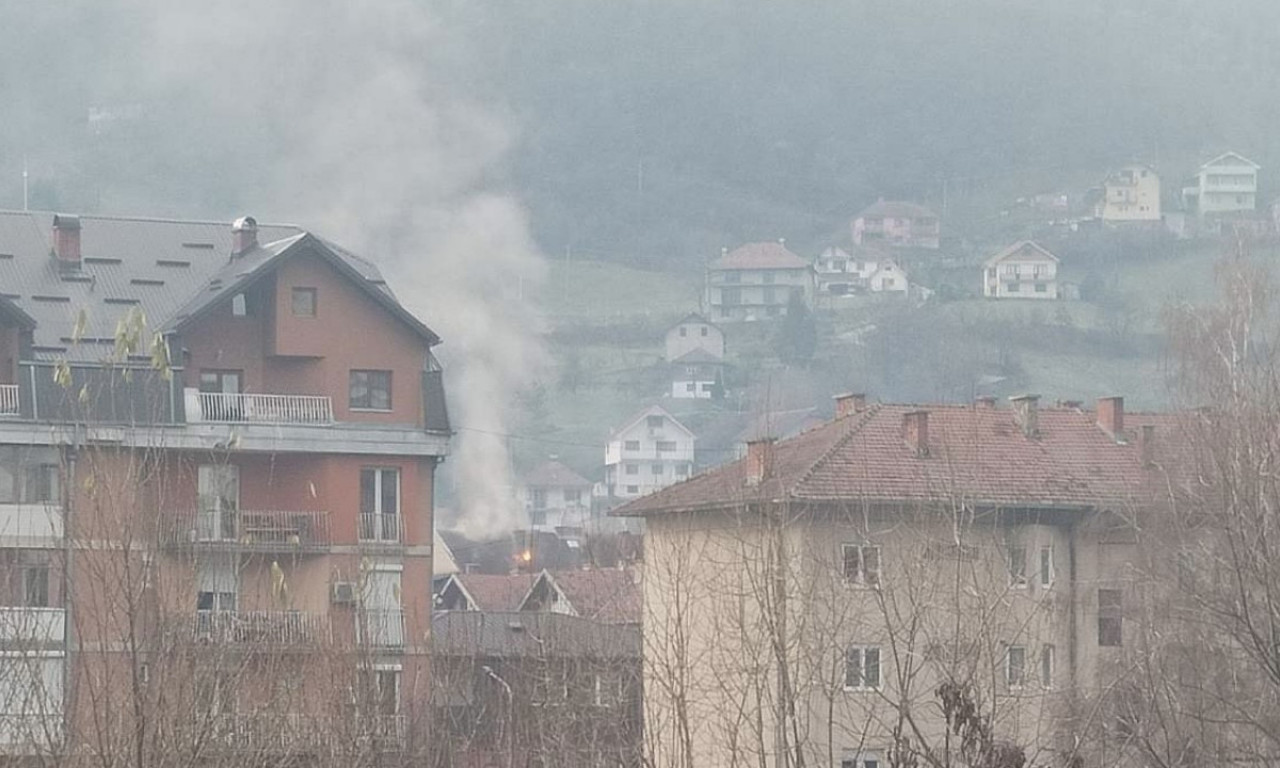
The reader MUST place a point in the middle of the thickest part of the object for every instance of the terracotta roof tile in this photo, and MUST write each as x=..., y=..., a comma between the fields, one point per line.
x=767, y=255
x=977, y=454
x=609, y=596
x=496, y=592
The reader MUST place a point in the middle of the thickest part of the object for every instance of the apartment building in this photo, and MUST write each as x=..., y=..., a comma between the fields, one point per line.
x=756, y=281
x=651, y=450
x=218, y=445
x=835, y=588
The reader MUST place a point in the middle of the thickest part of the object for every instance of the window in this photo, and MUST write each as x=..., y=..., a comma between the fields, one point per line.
x=1042, y=288
x=538, y=497
x=1011, y=270
x=1046, y=666
x=691, y=387
x=303, y=302
x=26, y=574
x=654, y=422
x=632, y=469
x=608, y=689
x=861, y=564
x=730, y=296
x=682, y=470
x=572, y=496
x=221, y=382
x=683, y=332
x=384, y=686
x=1110, y=619
x=704, y=331
x=370, y=390
x=1015, y=666
x=27, y=483
x=768, y=278
x=860, y=760
x=239, y=305
x=657, y=470
x=1013, y=287
x=888, y=282
x=862, y=668
x=633, y=489
x=1046, y=566
x=379, y=504
x=666, y=446
x=768, y=296
x=631, y=445
x=732, y=277
x=1017, y=567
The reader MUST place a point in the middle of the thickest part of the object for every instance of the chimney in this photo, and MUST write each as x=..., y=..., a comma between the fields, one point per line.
x=915, y=430
x=1111, y=416
x=1147, y=445
x=1026, y=414
x=66, y=241
x=244, y=235
x=759, y=459
x=850, y=403
x=986, y=401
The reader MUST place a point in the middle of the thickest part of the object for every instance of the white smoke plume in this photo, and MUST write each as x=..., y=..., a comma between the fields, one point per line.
x=337, y=122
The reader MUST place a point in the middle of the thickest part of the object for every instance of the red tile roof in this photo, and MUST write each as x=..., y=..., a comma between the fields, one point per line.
x=977, y=454
x=496, y=592
x=609, y=596
x=769, y=255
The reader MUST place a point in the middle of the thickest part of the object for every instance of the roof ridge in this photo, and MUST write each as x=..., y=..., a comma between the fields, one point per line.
x=145, y=219
x=851, y=430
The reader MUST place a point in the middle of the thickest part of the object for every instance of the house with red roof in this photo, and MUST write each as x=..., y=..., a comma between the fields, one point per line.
x=828, y=584
x=756, y=281
x=898, y=224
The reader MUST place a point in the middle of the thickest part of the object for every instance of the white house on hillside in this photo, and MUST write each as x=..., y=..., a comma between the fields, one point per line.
x=556, y=497
x=756, y=281
x=650, y=451
x=1131, y=194
x=1226, y=184
x=845, y=269
x=694, y=332
x=1024, y=270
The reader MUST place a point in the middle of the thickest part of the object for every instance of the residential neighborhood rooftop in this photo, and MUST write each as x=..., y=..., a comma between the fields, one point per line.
x=765, y=255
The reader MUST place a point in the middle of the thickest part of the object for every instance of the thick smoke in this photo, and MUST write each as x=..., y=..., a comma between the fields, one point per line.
x=336, y=119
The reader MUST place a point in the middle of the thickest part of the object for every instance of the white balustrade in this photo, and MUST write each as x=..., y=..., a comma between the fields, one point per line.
x=9, y=400
x=232, y=408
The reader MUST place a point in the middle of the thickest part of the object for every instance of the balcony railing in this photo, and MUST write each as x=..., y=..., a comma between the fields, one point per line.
x=260, y=627
x=231, y=408
x=380, y=627
x=9, y=400
x=32, y=627
x=249, y=530
x=376, y=527
x=262, y=732
x=33, y=733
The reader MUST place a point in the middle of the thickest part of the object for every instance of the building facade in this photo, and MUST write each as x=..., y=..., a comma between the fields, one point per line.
x=694, y=332
x=217, y=456
x=897, y=224
x=1226, y=184
x=841, y=590
x=556, y=498
x=650, y=451
x=1024, y=270
x=1131, y=194
x=844, y=270
x=756, y=282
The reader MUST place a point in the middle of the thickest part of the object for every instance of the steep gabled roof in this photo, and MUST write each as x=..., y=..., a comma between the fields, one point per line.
x=486, y=592
x=694, y=317
x=609, y=596
x=897, y=209
x=766, y=255
x=242, y=272
x=554, y=474
x=1018, y=248
x=977, y=455
x=13, y=314
x=1214, y=161
x=653, y=410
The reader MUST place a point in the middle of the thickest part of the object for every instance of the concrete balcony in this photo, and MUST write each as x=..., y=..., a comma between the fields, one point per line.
x=231, y=408
x=33, y=525
x=380, y=627
x=377, y=528
x=9, y=400
x=259, y=628
x=32, y=628
x=244, y=530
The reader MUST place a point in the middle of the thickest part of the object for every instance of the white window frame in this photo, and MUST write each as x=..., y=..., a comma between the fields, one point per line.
x=861, y=758
x=862, y=651
x=1015, y=682
x=1048, y=572
x=1017, y=576
x=1047, y=662
x=860, y=578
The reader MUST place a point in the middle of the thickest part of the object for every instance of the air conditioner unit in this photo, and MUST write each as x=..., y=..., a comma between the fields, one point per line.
x=344, y=592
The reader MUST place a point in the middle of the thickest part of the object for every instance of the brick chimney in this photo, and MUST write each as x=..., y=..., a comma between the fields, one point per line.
x=1111, y=416
x=1026, y=414
x=915, y=431
x=244, y=235
x=986, y=401
x=850, y=403
x=759, y=459
x=1147, y=445
x=66, y=241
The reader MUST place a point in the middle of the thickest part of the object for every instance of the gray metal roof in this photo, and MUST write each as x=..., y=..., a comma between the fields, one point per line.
x=529, y=633
x=164, y=267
